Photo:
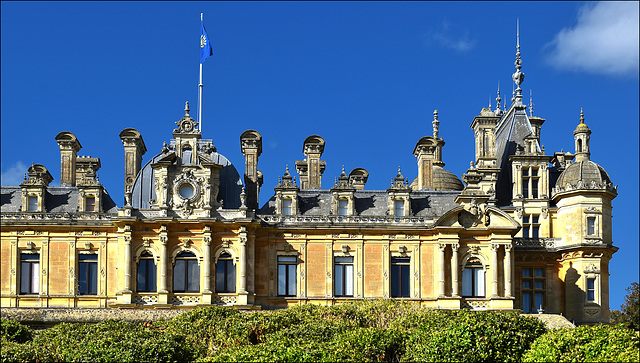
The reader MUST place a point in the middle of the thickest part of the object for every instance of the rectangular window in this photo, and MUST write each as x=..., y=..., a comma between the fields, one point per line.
x=533, y=292
x=400, y=277
x=343, y=207
x=29, y=273
x=225, y=274
x=530, y=182
x=591, y=289
x=591, y=226
x=286, y=207
x=343, y=278
x=531, y=226
x=90, y=204
x=88, y=274
x=33, y=203
x=399, y=208
x=287, y=275
x=146, y=273
x=473, y=279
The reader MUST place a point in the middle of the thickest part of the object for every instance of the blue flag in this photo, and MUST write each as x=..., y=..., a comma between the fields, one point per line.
x=205, y=46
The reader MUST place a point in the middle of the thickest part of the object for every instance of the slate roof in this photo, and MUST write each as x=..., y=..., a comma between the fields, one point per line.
x=510, y=134
x=586, y=171
x=57, y=200
x=429, y=204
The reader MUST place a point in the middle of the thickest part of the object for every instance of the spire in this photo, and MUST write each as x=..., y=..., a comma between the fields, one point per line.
x=186, y=109
x=530, y=103
x=435, y=123
x=582, y=139
x=498, y=99
x=518, y=76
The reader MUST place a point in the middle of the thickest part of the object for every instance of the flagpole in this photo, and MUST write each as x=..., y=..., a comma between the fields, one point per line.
x=200, y=87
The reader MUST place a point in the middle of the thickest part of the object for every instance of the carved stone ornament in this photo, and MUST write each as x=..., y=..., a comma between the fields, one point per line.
x=519, y=211
x=591, y=269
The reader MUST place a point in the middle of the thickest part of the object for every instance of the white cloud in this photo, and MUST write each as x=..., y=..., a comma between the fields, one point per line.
x=604, y=40
x=444, y=38
x=14, y=175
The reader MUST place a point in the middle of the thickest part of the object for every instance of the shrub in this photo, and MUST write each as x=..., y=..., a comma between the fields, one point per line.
x=466, y=336
x=598, y=343
x=13, y=331
x=107, y=341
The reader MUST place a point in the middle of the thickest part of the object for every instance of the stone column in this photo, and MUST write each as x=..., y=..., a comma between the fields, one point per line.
x=494, y=269
x=127, y=264
x=455, y=269
x=242, y=268
x=163, y=293
x=441, y=291
x=206, y=266
x=508, y=250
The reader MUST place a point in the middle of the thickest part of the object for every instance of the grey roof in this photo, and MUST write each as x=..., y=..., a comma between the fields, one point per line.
x=230, y=182
x=510, y=134
x=430, y=204
x=586, y=171
x=442, y=180
x=57, y=200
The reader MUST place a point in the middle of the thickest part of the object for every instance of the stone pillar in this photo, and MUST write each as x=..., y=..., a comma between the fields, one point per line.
x=251, y=144
x=134, y=149
x=455, y=269
x=128, y=262
x=206, y=266
x=508, y=250
x=494, y=269
x=441, y=291
x=163, y=293
x=242, y=268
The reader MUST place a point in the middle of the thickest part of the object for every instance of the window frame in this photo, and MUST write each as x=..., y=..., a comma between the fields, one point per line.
x=190, y=261
x=31, y=198
x=90, y=207
x=91, y=280
x=398, y=207
x=531, y=226
x=32, y=260
x=530, y=294
x=343, y=207
x=531, y=182
x=227, y=262
x=287, y=263
x=150, y=269
x=400, y=265
x=346, y=268
x=287, y=206
x=474, y=265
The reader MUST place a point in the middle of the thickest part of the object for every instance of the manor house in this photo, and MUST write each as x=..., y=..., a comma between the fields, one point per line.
x=526, y=230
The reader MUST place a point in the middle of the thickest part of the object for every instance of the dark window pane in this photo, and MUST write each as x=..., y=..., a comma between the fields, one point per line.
x=405, y=281
x=539, y=299
x=25, y=277
x=292, y=280
x=536, y=231
x=287, y=259
x=539, y=284
x=93, y=278
x=526, y=272
x=179, y=275
x=88, y=257
x=83, y=274
x=526, y=302
x=526, y=284
x=231, y=277
x=344, y=259
x=539, y=272
x=525, y=232
x=282, y=280
x=395, y=281
x=338, y=278
x=220, y=277
x=193, y=275
x=534, y=219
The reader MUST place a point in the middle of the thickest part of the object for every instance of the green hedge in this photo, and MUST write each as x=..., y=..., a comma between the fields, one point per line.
x=371, y=331
x=598, y=343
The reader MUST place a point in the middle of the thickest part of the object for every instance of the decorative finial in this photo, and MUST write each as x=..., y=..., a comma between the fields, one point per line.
x=287, y=168
x=581, y=116
x=342, y=169
x=398, y=169
x=186, y=108
x=530, y=103
x=435, y=123
x=25, y=176
x=518, y=76
x=498, y=99
x=335, y=182
x=489, y=102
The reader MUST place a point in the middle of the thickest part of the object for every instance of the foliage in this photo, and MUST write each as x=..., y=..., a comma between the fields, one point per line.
x=467, y=336
x=629, y=315
x=107, y=341
x=598, y=343
x=14, y=332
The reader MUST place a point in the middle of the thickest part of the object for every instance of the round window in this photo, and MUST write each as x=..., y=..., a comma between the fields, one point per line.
x=186, y=191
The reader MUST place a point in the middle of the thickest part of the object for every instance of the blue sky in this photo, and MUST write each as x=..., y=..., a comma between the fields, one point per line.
x=366, y=76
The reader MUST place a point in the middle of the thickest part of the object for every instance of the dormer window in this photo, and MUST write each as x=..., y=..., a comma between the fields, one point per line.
x=90, y=204
x=33, y=203
x=530, y=181
x=343, y=207
x=287, y=204
x=186, y=155
x=398, y=208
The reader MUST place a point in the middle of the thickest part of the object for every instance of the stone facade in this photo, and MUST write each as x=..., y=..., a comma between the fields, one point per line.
x=525, y=231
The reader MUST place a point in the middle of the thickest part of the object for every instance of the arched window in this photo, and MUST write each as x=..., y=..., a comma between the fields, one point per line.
x=146, y=277
x=186, y=273
x=473, y=279
x=225, y=274
x=579, y=146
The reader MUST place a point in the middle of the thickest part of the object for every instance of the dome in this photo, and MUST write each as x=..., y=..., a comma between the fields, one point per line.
x=586, y=171
x=442, y=180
